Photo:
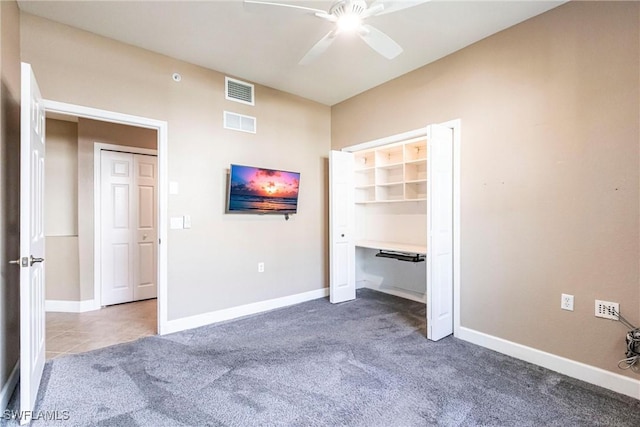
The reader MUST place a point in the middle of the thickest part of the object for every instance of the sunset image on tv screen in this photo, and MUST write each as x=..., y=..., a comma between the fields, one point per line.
x=260, y=190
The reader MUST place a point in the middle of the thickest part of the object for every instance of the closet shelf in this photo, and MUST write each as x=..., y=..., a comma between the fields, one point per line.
x=366, y=202
x=391, y=165
x=392, y=174
x=416, y=162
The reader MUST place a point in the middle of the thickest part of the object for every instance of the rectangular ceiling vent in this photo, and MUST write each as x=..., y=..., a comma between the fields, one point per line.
x=240, y=122
x=236, y=90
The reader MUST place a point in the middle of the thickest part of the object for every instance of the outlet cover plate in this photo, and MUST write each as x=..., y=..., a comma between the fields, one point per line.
x=607, y=309
x=566, y=303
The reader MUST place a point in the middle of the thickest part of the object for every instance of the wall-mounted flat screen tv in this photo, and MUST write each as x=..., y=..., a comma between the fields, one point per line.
x=262, y=191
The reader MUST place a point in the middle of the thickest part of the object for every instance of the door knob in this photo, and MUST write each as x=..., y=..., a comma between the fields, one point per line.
x=23, y=262
x=144, y=237
x=33, y=260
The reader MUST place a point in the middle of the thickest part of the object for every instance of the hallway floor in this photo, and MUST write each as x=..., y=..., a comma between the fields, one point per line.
x=70, y=333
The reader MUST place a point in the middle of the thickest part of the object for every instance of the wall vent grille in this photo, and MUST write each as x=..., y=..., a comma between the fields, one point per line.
x=239, y=91
x=239, y=122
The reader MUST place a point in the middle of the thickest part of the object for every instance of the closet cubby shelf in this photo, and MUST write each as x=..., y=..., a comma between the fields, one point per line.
x=392, y=173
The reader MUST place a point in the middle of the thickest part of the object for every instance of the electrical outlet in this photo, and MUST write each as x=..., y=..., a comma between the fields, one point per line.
x=566, y=303
x=261, y=267
x=607, y=310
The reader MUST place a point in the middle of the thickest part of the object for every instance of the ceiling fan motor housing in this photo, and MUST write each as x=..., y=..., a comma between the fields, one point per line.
x=348, y=7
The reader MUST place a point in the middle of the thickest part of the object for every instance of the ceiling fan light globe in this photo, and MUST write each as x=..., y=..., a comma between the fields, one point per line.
x=349, y=23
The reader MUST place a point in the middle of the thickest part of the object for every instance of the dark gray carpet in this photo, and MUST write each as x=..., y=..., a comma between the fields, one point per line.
x=362, y=363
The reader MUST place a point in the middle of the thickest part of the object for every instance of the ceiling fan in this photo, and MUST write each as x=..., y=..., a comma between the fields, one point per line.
x=348, y=17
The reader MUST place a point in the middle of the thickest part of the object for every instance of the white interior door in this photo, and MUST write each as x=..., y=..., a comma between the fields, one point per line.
x=440, y=232
x=342, y=257
x=128, y=195
x=32, y=314
x=146, y=230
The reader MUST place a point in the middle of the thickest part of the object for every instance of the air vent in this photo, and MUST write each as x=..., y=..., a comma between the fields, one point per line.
x=238, y=91
x=240, y=122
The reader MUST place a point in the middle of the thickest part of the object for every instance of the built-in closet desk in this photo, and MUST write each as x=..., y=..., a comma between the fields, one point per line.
x=392, y=246
x=415, y=251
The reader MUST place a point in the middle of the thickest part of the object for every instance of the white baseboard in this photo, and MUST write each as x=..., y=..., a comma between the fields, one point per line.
x=571, y=368
x=392, y=290
x=243, y=310
x=9, y=386
x=70, y=306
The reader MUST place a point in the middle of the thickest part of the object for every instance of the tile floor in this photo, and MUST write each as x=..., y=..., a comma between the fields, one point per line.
x=70, y=333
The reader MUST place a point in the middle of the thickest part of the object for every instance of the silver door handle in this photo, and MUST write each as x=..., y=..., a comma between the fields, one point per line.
x=22, y=262
x=33, y=260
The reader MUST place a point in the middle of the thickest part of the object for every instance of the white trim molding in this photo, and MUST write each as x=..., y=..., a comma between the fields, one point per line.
x=571, y=368
x=242, y=310
x=9, y=386
x=162, y=128
x=62, y=306
x=416, y=133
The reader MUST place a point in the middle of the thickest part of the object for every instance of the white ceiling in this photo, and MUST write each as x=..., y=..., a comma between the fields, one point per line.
x=264, y=44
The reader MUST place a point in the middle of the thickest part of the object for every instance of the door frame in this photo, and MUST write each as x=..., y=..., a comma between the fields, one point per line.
x=98, y=147
x=456, y=126
x=161, y=127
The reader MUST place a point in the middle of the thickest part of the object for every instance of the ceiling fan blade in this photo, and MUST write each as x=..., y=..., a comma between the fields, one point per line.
x=380, y=42
x=318, y=48
x=292, y=6
x=394, y=5
x=326, y=16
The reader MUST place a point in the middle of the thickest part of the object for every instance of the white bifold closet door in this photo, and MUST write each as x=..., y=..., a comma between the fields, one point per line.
x=128, y=208
x=342, y=251
x=440, y=232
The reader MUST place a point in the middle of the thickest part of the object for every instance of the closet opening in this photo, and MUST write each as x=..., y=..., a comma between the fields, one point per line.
x=394, y=200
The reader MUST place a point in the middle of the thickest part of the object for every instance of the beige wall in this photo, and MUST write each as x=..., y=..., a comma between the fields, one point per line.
x=89, y=133
x=62, y=276
x=61, y=197
x=213, y=265
x=549, y=174
x=9, y=188
x=61, y=211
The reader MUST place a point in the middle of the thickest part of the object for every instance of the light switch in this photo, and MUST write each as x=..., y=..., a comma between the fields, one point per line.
x=177, y=222
x=187, y=221
x=173, y=187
